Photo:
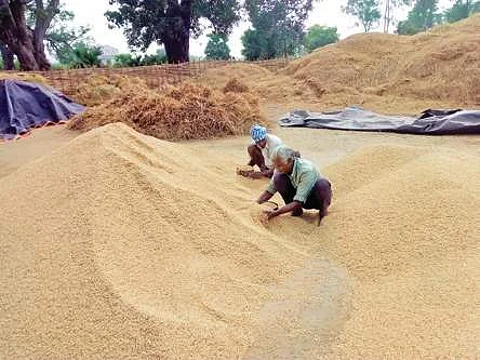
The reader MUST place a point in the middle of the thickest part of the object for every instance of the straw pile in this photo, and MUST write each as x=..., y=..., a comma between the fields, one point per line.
x=236, y=86
x=219, y=77
x=29, y=77
x=97, y=89
x=180, y=113
x=141, y=248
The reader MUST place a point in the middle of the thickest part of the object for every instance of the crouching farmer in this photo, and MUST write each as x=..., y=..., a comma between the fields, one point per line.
x=260, y=152
x=299, y=183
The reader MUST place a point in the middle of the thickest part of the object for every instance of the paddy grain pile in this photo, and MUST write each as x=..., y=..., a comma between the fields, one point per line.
x=140, y=248
x=382, y=72
x=182, y=112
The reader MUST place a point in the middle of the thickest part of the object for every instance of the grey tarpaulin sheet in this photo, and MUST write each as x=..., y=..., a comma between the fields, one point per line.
x=25, y=105
x=431, y=122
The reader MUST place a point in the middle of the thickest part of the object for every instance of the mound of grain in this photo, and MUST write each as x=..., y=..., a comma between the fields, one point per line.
x=440, y=65
x=141, y=248
x=30, y=77
x=181, y=113
x=97, y=89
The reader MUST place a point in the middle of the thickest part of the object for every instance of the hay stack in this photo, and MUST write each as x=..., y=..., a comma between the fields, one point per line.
x=236, y=86
x=181, y=113
x=219, y=77
x=99, y=89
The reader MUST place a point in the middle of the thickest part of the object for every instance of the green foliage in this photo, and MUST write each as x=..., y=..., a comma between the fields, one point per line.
x=61, y=36
x=277, y=28
x=127, y=60
x=130, y=60
x=461, y=10
x=366, y=11
x=217, y=47
x=318, y=36
x=423, y=16
x=83, y=55
x=256, y=46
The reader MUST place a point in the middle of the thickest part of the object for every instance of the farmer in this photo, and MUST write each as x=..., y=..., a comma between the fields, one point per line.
x=260, y=151
x=299, y=183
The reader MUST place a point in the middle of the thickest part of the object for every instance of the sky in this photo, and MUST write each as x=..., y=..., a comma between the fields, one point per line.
x=325, y=12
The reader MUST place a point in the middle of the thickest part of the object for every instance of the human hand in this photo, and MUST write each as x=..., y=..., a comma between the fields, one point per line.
x=270, y=213
x=245, y=173
x=255, y=175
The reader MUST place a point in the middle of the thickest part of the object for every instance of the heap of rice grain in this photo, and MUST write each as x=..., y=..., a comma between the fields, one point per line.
x=146, y=249
x=184, y=112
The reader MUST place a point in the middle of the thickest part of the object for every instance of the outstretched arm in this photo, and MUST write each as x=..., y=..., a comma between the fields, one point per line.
x=265, y=196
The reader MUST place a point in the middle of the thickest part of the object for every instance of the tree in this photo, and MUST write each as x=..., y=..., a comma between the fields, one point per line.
x=318, y=36
x=423, y=16
x=255, y=46
x=61, y=36
x=365, y=10
x=390, y=5
x=170, y=22
x=278, y=27
x=7, y=57
x=461, y=10
x=83, y=55
x=25, y=42
x=217, y=47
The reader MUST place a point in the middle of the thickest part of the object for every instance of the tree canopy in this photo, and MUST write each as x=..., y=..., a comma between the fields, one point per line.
x=366, y=11
x=217, y=47
x=277, y=27
x=318, y=36
x=171, y=22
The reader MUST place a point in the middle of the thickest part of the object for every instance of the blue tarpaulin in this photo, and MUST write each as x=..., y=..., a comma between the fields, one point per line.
x=25, y=105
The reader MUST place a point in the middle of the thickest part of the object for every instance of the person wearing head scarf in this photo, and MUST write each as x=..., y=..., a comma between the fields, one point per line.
x=299, y=183
x=259, y=151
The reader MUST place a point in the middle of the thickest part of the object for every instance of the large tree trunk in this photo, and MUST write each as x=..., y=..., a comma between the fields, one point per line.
x=28, y=45
x=15, y=33
x=7, y=57
x=43, y=19
x=177, y=37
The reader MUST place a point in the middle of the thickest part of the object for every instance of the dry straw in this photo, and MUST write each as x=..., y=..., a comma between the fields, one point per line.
x=29, y=77
x=180, y=113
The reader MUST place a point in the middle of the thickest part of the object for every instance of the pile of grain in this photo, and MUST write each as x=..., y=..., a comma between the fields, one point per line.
x=382, y=72
x=97, y=89
x=30, y=77
x=184, y=112
x=440, y=65
x=141, y=248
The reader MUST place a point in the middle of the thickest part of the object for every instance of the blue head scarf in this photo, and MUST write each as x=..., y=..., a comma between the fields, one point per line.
x=258, y=133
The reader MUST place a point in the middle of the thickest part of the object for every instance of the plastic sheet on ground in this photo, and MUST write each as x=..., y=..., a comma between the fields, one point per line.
x=430, y=122
x=25, y=105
